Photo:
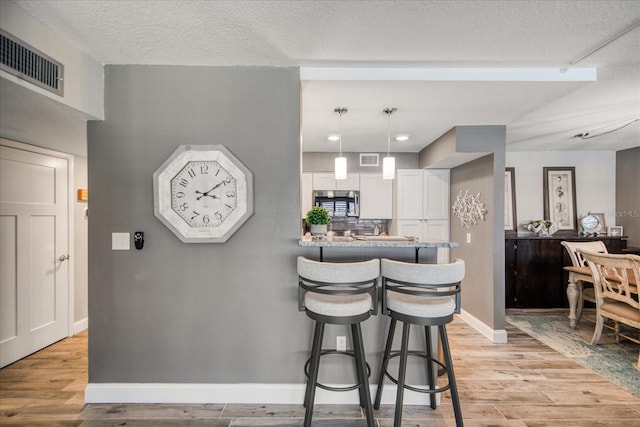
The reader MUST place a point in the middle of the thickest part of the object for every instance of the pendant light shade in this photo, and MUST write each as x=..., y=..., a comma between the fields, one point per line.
x=341, y=161
x=388, y=167
x=389, y=163
x=341, y=168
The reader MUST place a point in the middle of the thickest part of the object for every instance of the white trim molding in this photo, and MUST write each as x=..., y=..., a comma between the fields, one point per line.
x=233, y=393
x=496, y=336
x=80, y=326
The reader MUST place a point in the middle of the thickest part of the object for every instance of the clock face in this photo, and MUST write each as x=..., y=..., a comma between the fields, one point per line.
x=203, y=193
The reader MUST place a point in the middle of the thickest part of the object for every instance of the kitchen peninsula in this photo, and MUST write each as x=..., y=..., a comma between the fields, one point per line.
x=376, y=242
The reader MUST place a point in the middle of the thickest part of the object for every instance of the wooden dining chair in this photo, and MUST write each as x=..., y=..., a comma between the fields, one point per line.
x=576, y=292
x=616, y=297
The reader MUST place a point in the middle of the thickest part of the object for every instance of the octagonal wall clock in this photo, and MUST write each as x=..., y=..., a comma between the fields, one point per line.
x=203, y=193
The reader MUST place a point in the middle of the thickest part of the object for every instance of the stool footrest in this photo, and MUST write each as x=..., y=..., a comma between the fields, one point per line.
x=415, y=388
x=325, y=352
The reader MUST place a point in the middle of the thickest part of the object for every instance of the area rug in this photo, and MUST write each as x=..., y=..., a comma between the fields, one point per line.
x=612, y=360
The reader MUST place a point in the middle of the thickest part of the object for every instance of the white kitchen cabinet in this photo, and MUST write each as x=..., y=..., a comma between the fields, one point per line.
x=422, y=194
x=306, y=193
x=376, y=197
x=328, y=181
x=408, y=192
x=408, y=227
x=426, y=230
x=435, y=201
x=438, y=230
x=421, y=206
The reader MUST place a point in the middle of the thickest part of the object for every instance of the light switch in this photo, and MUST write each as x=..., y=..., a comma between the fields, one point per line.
x=468, y=237
x=120, y=241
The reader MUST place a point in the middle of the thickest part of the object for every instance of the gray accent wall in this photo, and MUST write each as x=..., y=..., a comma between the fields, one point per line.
x=196, y=313
x=483, y=294
x=628, y=195
x=483, y=286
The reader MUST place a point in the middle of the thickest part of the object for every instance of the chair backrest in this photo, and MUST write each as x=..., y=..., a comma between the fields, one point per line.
x=338, y=272
x=611, y=274
x=338, y=278
x=431, y=280
x=423, y=274
x=576, y=258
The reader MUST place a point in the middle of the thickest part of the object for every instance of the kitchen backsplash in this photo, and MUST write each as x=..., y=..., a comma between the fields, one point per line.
x=355, y=226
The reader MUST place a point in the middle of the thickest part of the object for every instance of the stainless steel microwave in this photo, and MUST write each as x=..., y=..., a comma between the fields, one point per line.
x=339, y=203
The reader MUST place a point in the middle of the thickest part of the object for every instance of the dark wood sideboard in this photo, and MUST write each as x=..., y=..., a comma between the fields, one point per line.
x=534, y=277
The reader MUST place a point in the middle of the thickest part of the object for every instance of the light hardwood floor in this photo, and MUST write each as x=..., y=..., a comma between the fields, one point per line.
x=522, y=383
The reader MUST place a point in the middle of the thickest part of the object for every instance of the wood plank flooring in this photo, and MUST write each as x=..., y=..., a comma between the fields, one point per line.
x=519, y=384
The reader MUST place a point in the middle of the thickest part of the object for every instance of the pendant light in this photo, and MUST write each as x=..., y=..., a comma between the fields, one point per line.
x=341, y=161
x=389, y=163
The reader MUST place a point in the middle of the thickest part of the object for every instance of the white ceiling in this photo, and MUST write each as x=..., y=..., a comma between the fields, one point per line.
x=399, y=35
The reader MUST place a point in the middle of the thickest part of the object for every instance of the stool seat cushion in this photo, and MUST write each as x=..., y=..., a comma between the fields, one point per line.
x=337, y=305
x=420, y=306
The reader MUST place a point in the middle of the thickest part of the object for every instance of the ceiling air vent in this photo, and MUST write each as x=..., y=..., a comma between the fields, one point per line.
x=28, y=63
x=369, y=159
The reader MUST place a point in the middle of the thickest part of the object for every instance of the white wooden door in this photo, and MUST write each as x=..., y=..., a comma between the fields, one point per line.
x=34, y=271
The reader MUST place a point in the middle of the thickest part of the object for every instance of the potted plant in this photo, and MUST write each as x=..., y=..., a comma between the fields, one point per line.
x=318, y=220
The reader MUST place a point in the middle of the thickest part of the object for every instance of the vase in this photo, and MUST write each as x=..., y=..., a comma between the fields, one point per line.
x=318, y=230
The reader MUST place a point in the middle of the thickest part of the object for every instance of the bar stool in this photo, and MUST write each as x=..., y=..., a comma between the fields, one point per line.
x=338, y=294
x=426, y=295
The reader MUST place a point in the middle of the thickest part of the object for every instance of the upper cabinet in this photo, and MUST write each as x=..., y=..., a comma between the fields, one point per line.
x=327, y=181
x=408, y=194
x=422, y=194
x=435, y=186
x=376, y=196
x=422, y=206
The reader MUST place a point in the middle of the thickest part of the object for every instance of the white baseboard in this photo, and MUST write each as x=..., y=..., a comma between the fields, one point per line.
x=80, y=326
x=233, y=393
x=496, y=336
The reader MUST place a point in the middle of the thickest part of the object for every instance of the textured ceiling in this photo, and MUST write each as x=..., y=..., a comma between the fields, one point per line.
x=397, y=34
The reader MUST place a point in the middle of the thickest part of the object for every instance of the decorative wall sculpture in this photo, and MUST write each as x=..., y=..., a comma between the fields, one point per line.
x=469, y=209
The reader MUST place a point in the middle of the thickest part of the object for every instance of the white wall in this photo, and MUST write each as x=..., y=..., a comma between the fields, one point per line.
x=83, y=76
x=595, y=181
x=80, y=240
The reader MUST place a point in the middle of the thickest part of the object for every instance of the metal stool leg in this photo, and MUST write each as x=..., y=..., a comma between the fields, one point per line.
x=397, y=421
x=451, y=376
x=430, y=367
x=313, y=373
x=359, y=378
x=360, y=356
x=385, y=363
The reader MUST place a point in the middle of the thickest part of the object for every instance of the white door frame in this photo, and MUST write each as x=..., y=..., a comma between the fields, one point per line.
x=70, y=218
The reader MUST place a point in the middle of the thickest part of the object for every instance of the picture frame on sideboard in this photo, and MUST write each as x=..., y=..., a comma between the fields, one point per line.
x=614, y=230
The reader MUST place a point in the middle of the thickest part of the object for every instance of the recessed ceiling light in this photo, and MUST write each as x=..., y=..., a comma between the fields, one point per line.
x=333, y=137
x=402, y=137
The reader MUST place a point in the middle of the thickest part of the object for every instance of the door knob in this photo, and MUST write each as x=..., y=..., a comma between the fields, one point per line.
x=63, y=258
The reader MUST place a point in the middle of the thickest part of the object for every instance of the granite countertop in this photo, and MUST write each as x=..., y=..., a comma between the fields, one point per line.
x=373, y=242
